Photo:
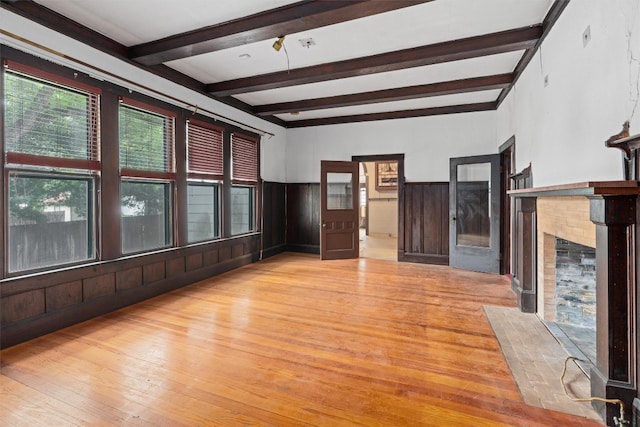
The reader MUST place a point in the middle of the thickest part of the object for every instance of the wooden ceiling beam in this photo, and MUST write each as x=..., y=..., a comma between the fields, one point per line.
x=293, y=18
x=435, y=111
x=451, y=87
x=472, y=47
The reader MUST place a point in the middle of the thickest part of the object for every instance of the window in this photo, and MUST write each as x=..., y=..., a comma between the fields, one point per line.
x=147, y=169
x=145, y=215
x=205, y=173
x=203, y=212
x=242, y=209
x=52, y=159
x=244, y=174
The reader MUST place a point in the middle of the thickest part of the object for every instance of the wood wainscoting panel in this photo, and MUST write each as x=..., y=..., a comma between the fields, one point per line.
x=128, y=279
x=426, y=222
x=63, y=295
x=303, y=217
x=287, y=341
x=274, y=215
x=15, y=308
x=98, y=286
x=31, y=306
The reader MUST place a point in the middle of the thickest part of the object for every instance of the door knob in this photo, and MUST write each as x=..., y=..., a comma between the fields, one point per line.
x=324, y=225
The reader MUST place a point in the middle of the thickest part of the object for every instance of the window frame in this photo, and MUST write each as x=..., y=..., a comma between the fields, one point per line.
x=16, y=163
x=212, y=179
x=242, y=180
x=144, y=176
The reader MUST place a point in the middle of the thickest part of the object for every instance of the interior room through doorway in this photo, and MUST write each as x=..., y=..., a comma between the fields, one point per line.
x=378, y=210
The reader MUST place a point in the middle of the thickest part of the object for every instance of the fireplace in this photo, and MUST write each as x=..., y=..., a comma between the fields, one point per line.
x=567, y=271
x=601, y=215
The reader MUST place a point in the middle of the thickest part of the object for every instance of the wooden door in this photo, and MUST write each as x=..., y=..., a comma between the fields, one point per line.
x=339, y=230
x=474, y=213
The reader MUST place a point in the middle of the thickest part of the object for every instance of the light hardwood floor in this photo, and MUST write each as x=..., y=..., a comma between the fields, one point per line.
x=289, y=341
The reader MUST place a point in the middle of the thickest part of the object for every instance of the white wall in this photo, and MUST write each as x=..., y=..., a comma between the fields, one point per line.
x=426, y=142
x=273, y=155
x=591, y=91
x=383, y=207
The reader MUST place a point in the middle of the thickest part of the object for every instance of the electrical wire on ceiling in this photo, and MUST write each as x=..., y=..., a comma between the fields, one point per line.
x=277, y=45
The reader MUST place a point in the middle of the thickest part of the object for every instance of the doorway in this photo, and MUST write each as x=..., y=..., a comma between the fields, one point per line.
x=340, y=223
x=378, y=210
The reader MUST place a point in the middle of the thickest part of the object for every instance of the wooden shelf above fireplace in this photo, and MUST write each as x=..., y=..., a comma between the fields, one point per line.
x=588, y=188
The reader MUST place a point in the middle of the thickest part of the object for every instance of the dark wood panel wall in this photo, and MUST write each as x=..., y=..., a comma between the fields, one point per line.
x=34, y=305
x=426, y=223
x=303, y=217
x=274, y=199
x=424, y=229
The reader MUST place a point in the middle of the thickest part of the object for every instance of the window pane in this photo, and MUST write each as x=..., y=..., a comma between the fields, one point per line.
x=49, y=120
x=202, y=212
x=50, y=221
x=242, y=209
x=145, y=215
x=145, y=140
x=339, y=191
x=473, y=205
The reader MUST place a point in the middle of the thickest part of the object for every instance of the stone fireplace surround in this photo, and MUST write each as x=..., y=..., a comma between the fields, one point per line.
x=596, y=214
x=566, y=217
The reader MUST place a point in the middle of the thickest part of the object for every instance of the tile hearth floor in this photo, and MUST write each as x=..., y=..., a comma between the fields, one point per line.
x=536, y=359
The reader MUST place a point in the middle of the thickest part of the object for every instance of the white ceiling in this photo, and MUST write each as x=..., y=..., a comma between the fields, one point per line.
x=132, y=22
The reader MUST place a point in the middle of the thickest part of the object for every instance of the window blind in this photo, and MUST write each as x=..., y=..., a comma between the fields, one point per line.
x=204, y=150
x=47, y=124
x=244, y=159
x=146, y=142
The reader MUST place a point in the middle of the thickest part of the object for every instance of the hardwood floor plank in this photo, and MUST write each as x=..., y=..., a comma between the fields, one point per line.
x=289, y=341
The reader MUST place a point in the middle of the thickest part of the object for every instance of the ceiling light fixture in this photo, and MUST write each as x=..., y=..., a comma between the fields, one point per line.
x=277, y=45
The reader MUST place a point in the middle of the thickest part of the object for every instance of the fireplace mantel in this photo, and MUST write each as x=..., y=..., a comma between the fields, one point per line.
x=612, y=207
x=588, y=188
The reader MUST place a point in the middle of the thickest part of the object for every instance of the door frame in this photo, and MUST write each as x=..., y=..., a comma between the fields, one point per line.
x=391, y=158
x=507, y=168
